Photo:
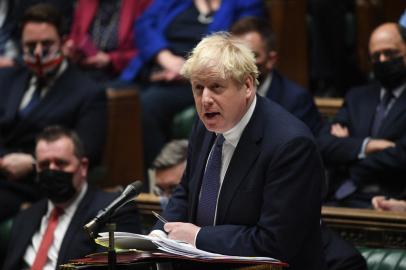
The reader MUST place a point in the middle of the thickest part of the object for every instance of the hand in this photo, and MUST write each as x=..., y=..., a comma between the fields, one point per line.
x=17, y=165
x=382, y=204
x=100, y=60
x=377, y=145
x=164, y=75
x=339, y=131
x=170, y=62
x=6, y=62
x=182, y=231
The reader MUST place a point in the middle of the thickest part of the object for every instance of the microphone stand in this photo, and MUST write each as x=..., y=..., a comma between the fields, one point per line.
x=111, y=254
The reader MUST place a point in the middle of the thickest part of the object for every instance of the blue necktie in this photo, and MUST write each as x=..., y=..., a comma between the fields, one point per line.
x=380, y=113
x=35, y=99
x=210, y=186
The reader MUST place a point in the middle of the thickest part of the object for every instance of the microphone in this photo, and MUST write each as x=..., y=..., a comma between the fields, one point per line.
x=127, y=195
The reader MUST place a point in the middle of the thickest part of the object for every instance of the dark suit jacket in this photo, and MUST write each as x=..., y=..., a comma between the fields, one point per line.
x=386, y=168
x=269, y=203
x=76, y=243
x=74, y=101
x=296, y=100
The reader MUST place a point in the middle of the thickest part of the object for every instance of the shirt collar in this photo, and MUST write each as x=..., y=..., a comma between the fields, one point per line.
x=396, y=92
x=264, y=87
x=233, y=135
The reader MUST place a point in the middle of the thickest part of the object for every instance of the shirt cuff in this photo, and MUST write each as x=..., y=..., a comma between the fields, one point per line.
x=194, y=241
x=361, y=154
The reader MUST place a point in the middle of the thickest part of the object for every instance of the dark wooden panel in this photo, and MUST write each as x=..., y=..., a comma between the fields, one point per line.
x=288, y=21
x=124, y=153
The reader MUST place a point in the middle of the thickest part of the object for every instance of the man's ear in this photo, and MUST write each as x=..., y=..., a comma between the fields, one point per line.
x=249, y=86
x=272, y=59
x=84, y=166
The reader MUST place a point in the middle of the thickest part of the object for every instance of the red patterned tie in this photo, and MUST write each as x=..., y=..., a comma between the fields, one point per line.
x=47, y=240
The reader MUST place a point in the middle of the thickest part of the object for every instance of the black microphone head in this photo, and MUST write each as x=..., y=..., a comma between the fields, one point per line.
x=133, y=189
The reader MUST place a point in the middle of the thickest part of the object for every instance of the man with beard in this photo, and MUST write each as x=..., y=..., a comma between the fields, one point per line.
x=365, y=144
x=45, y=91
x=50, y=232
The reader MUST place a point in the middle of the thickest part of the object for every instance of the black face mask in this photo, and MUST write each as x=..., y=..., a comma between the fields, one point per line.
x=56, y=185
x=391, y=73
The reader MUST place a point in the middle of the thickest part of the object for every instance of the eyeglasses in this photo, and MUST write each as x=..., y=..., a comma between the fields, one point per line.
x=389, y=54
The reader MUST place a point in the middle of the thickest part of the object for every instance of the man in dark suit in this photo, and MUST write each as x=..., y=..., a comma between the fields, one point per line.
x=62, y=170
x=251, y=166
x=273, y=85
x=45, y=91
x=366, y=142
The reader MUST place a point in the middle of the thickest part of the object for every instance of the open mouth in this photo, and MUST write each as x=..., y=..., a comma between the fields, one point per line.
x=211, y=115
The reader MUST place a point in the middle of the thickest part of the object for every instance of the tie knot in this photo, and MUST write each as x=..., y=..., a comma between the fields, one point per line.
x=55, y=213
x=220, y=140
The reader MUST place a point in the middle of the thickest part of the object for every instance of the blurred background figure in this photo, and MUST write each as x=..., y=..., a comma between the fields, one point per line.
x=258, y=35
x=45, y=90
x=167, y=169
x=50, y=232
x=101, y=40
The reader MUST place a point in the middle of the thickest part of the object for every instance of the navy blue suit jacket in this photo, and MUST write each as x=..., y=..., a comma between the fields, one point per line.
x=386, y=168
x=73, y=101
x=76, y=243
x=269, y=203
x=296, y=100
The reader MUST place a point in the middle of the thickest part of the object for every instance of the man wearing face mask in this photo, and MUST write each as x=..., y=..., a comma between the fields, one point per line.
x=366, y=143
x=45, y=91
x=70, y=204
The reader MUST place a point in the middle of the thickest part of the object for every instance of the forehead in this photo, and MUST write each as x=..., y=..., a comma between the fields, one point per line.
x=61, y=148
x=39, y=31
x=386, y=38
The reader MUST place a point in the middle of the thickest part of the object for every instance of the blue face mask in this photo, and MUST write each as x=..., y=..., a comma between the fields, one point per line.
x=56, y=185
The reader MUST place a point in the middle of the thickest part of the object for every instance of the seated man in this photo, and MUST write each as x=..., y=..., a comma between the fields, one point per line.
x=248, y=172
x=47, y=90
x=168, y=168
x=365, y=145
x=50, y=232
x=273, y=85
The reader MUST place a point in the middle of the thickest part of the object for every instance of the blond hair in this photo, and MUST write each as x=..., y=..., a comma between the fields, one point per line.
x=223, y=55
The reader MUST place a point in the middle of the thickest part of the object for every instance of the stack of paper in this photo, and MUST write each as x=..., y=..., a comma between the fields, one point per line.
x=124, y=240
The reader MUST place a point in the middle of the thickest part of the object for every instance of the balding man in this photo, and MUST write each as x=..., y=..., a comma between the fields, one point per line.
x=366, y=143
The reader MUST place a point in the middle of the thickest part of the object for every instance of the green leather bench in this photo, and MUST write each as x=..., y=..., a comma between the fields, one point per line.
x=384, y=259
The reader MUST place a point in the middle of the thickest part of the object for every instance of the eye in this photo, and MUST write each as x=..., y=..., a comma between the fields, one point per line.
x=198, y=89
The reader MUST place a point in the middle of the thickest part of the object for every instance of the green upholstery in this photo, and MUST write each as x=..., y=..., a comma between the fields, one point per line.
x=5, y=229
x=384, y=258
x=183, y=122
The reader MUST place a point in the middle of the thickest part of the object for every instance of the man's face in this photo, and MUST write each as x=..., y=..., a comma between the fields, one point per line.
x=167, y=179
x=59, y=155
x=386, y=44
x=264, y=59
x=41, y=44
x=221, y=103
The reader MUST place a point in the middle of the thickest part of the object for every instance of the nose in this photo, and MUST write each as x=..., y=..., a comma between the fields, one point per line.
x=52, y=166
x=206, y=96
x=382, y=57
x=38, y=49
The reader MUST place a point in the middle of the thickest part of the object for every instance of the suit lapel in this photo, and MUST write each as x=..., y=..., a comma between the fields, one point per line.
x=34, y=220
x=242, y=161
x=397, y=109
x=16, y=95
x=75, y=226
x=199, y=171
x=368, y=111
